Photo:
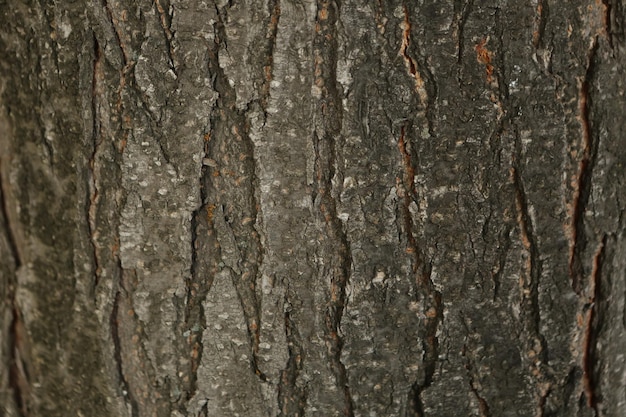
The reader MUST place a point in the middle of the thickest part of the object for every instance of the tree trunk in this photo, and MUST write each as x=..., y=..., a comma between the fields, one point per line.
x=282, y=208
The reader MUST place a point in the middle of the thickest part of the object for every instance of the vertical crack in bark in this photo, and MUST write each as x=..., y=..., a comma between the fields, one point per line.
x=582, y=184
x=460, y=19
x=96, y=139
x=19, y=375
x=234, y=181
x=496, y=272
x=483, y=406
x=194, y=314
x=166, y=20
x=204, y=411
x=539, y=23
x=291, y=397
x=499, y=82
x=205, y=257
x=606, y=21
x=485, y=57
x=591, y=324
x=114, y=22
x=328, y=120
x=431, y=302
x=125, y=71
x=380, y=19
x=137, y=375
x=197, y=288
x=8, y=221
x=19, y=380
x=117, y=352
x=272, y=31
x=340, y=260
x=536, y=345
x=411, y=64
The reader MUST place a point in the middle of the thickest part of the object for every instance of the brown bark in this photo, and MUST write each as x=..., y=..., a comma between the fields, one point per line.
x=314, y=208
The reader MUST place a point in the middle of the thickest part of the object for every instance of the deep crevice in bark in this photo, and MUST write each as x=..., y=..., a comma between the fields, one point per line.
x=539, y=23
x=483, y=406
x=582, y=187
x=418, y=69
x=272, y=31
x=607, y=21
x=117, y=353
x=536, y=345
x=114, y=22
x=499, y=66
x=498, y=272
x=291, y=397
x=530, y=282
x=461, y=17
x=234, y=182
x=429, y=298
x=592, y=323
x=328, y=120
x=205, y=255
x=92, y=181
x=10, y=234
x=18, y=374
x=194, y=320
x=415, y=406
x=165, y=19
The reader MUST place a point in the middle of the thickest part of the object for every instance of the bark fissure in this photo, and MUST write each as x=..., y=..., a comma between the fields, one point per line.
x=536, y=345
x=380, y=19
x=582, y=184
x=8, y=222
x=18, y=375
x=483, y=406
x=206, y=254
x=428, y=297
x=539, y=23
x=125, y=75
x=461, y=17
x=292, y=397
x=499, y=66
x=117, y=353
x=114, y=22
x=166, y=20
x=96, y=140
x=411, y=63
x=145, y=391
x=194, y=319
x=532, y=273
x=272, y=31
x=606, y=21
x=47, y=146
x=340, y=272
x=19, y=380
x=498, y=271
x=590, y=330
x=234, y=181
x=328, y=120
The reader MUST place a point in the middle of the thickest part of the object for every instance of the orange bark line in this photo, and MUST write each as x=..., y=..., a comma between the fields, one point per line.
x=410, y=62
x=485, y=56
x=589, y=335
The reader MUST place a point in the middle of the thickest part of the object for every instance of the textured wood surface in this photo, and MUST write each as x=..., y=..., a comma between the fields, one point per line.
x=312, y=208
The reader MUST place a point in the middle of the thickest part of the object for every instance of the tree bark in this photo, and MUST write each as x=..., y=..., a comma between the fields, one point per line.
x=313, y=208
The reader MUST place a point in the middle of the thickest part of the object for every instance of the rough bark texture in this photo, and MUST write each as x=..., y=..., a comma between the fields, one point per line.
x=312, y=208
